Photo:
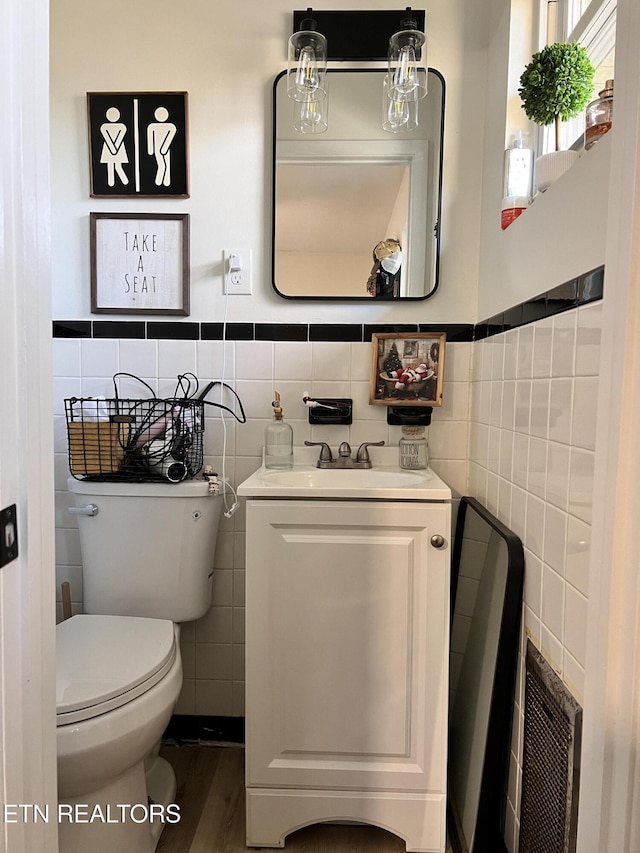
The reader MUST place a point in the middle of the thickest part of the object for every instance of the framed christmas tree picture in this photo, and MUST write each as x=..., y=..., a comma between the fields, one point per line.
x=407, y=369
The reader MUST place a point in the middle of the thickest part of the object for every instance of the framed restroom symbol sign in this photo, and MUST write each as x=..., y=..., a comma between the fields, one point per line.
x=139, y=263
x=138, y=144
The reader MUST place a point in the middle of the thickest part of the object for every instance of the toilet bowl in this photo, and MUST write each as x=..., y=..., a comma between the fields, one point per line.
x=147, y=554
x=118, y=679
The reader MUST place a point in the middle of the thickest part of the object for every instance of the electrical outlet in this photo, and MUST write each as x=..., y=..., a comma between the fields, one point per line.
x=8, y=535
x=237, y=271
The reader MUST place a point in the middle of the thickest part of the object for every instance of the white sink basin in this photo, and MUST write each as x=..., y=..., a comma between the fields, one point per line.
x=322, y=478
x=381, y=482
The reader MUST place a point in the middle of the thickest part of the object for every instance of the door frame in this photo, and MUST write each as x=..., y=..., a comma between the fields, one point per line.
x=27, y=583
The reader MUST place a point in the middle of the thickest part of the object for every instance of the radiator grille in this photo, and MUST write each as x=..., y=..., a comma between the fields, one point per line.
x=551, y=761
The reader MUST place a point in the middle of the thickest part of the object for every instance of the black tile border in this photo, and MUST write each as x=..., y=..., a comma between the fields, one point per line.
x=336, y=332
x=591, y=286
x=281, y=332
x=581, y=290
x=118, y=329
x=233, y=331
x=296, y=332
x=512, y=318
x=534, y=309
x=456, y=332
x=173, y=331
x=388, y=329
x=196, y=728
x=72, y=329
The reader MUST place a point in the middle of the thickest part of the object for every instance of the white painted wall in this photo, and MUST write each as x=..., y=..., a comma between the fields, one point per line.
x=561, y=236
x=226, y=56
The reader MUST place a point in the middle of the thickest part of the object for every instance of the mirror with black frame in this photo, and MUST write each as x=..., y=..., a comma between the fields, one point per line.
x=486, y=596
x=343, y=199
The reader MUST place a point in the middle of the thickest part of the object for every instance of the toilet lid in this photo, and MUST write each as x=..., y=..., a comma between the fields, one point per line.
x=103, y=662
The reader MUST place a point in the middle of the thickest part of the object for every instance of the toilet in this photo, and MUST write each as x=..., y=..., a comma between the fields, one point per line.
x=147, y=556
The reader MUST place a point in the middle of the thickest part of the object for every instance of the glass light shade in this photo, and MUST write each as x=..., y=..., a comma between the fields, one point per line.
x=398, y=114
x=307, y=66
x=310, y=116
x=408, y=65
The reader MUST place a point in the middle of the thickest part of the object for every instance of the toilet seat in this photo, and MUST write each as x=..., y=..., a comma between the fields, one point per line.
x=104, y=662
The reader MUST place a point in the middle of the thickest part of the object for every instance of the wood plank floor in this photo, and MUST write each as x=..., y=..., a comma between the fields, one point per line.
x=212, y=805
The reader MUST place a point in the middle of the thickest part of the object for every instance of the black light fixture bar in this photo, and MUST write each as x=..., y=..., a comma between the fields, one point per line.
x=359, y=36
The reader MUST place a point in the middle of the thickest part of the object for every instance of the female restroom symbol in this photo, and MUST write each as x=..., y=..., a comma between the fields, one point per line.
x=114, y=151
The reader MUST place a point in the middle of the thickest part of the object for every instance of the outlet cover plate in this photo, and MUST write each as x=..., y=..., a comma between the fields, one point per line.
x=237, y=281
x=8, y=535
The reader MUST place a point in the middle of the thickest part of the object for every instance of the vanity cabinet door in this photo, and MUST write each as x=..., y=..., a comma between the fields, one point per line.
x=347, y=645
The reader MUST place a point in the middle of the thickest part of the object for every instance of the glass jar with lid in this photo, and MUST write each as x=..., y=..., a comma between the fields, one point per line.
x=599, y=116
x=414, y=448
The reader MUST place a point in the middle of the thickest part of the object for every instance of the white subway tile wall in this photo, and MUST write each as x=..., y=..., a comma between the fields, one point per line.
x=516, y=431
x=213, y=647
x=543, y=432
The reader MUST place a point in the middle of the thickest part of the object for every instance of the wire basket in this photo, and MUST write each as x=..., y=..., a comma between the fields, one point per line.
x=135, y=440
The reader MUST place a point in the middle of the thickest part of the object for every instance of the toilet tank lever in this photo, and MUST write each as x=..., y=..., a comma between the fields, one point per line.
x=89, y=509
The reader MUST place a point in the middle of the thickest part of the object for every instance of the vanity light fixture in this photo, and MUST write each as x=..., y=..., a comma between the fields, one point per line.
x=406, y=80
x=371, y=36
x=307, y=63
x=408, y=61
x=307, y=77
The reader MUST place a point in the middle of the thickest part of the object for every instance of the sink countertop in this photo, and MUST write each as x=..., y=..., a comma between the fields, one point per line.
x=384, y=481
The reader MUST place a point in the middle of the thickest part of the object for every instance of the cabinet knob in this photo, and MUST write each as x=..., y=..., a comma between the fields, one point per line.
x=437, y=541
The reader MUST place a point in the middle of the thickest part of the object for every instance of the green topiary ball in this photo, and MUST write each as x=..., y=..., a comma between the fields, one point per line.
x=557, y=82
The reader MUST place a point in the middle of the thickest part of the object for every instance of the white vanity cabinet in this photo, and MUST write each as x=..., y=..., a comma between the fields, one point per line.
x=347, y=614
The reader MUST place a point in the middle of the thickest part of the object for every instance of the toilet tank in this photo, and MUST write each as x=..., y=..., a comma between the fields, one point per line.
x=149, y=549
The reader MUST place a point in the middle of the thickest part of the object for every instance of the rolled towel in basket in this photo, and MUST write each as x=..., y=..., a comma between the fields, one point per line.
x=95, y=409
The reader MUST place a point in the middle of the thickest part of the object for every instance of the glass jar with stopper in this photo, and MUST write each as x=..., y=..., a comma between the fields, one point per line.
x=599, y=116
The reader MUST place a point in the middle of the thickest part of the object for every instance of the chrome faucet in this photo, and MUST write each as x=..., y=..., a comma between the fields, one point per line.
x=344, y=459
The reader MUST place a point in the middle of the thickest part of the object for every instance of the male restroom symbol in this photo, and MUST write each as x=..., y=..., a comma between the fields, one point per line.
x=114, y=151
x=160, y=134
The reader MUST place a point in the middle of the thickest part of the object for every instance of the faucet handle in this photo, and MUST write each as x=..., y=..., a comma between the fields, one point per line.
x=325, y=452
x=363, y=453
